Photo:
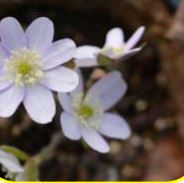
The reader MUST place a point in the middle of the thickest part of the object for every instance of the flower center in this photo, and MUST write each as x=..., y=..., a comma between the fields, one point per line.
x=23, y=67
x=85, y=111
x=88, y=113
x=117, y=50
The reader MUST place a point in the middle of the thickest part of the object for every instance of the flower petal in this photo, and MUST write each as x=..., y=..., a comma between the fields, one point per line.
x=95, y=140
x=125, y=54
x=4, y=84
x=131, y=53
x=60, y=79
x=86, y=56
x=10, y=162
x=108, y=90
x=66, y=102
x=12, y=34
x=114, y=38
x=114, y=126
x=39, y=103
x=134, y=38
x=40, y=34
x=70, y=126
x=10, y=100
x=3, y=55
x=59, y=52
x=80, y=87
x=3, y=58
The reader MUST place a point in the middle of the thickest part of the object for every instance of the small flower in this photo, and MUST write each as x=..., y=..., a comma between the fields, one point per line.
x=115, y=47
x=10, y=163
x=85, y=116
x=30, y=67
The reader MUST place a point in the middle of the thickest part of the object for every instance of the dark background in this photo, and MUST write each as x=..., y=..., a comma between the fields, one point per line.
x=153, y=104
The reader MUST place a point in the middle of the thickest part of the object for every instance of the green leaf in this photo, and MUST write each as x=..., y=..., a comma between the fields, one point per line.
x=15, y=151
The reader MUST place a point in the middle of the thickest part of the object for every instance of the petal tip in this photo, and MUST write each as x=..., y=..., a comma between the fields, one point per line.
x=105, y=150
x=142, y=29
x=9, y=19
x=43, y=19
x=75, y=82
x=43, y=121
x=116, y=29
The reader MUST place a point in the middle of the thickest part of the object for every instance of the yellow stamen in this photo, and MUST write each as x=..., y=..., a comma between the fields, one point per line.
x=23, y=67
x=85, y=111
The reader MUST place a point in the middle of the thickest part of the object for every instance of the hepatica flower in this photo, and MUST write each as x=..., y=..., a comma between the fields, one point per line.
x=115, y=48
x=30, y=67
x=85, y=116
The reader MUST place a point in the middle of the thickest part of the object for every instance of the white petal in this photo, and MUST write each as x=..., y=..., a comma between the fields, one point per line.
x=60, y=79
x=10, y=100
x=3, y=54
x=109, y=53
x=1, y=70
x=80, y=87
x=39, y=103
x=125, y=54
x=66, y=102
x=3, y=58
x=134, y=38
x=114, y=126
x=40, y=34
x=70, y=126
x=130, y=53
x=95, y=140
x=108, y=90
x=59, y=52
x=10, y=162
x=4, y=84
x=86, y=62
x=114, y=38
x=86, y=56
x=12, y=34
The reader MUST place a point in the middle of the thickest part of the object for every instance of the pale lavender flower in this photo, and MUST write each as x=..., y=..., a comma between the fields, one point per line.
x=30, y=67
x=85, y=116
x=115, y=47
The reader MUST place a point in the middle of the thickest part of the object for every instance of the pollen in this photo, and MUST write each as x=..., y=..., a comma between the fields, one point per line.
x=118, y=50
x=23, y=67
x=85, y=111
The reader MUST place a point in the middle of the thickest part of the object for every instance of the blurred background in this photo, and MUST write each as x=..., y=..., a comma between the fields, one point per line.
x=153, y=105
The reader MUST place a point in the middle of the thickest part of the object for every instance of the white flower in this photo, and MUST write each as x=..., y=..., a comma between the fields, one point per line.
x=10, y=163
x=85, y=116
x=30, y=68
x=115, y=47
